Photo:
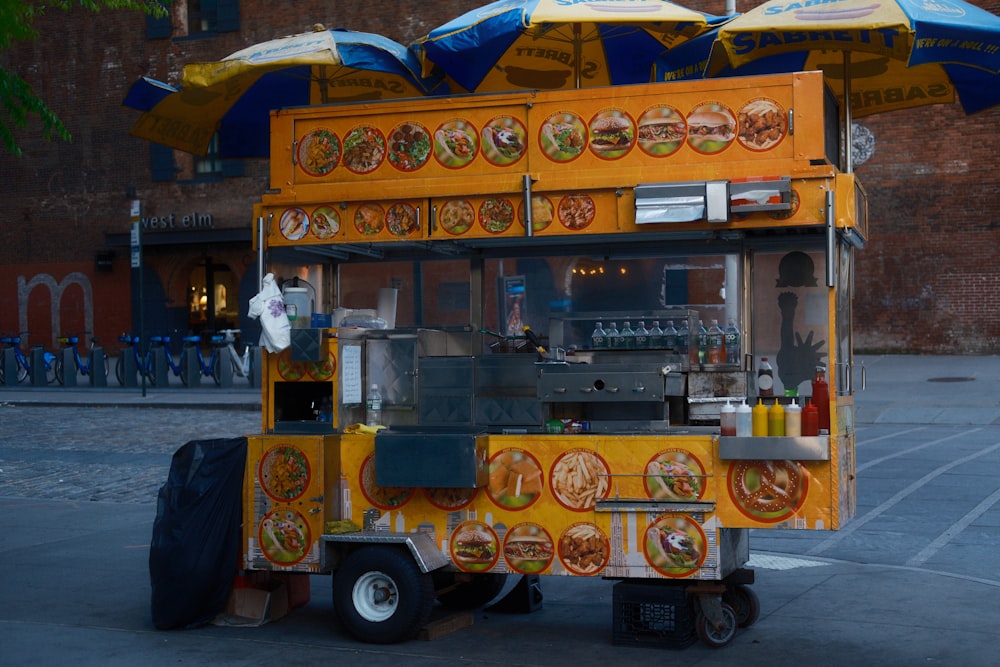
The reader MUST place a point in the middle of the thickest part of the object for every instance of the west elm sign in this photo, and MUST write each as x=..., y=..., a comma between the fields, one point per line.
x=173, y=221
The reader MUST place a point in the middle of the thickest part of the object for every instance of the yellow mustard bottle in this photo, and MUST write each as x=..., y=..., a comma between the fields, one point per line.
x=759, y=418
x=776, y=419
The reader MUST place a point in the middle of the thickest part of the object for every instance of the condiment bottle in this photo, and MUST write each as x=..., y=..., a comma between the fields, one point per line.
x=727, y=420
x=776, y=419
x=765, y=378
x=810, y=419
x=759, y=419
x=744, y=420
x=793, y=419
x=821, y=398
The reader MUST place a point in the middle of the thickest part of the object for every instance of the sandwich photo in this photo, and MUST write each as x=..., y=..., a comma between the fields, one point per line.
x=660, y=134
x=712, y=125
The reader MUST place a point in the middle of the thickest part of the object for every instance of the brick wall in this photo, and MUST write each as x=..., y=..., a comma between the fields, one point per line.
x=927, y=280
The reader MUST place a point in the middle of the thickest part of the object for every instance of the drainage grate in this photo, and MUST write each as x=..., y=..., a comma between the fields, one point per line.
x=951, y=379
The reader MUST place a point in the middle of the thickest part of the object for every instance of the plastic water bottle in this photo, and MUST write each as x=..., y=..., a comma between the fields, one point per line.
x=627, y=337
x=714, y=340
x=683, y=344
x=373, y=407
x=655, y=340
x=599, y=339
x=732, y=338
x=670, y=336
x=701, y=338
x=641, y=336
x=612, y=336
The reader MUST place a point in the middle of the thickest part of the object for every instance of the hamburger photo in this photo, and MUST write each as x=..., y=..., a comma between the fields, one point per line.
x=474, y=547
x=711, y=125
x=610, y=133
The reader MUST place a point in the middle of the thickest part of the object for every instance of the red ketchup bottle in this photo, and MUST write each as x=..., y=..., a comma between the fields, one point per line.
x=821, y=398
x=810, y=419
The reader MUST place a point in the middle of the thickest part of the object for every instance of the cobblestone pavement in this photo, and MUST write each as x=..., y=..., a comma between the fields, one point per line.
x=109, y=454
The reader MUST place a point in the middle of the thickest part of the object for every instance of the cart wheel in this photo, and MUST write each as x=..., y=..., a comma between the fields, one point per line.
x=381, y=596
x=472, y=594
x=717, y=637
x=745, y=603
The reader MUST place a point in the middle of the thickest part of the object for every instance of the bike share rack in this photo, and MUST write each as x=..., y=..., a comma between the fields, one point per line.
x=96, y=376
x=9, y=367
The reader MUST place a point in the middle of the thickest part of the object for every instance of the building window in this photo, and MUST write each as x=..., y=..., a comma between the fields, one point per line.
x=207, y=16
x=210, y=164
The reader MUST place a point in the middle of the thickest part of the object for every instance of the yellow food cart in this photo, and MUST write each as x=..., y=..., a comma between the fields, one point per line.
x=461, y=252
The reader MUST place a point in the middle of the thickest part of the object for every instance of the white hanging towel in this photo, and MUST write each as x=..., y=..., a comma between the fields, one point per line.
x=269, y=308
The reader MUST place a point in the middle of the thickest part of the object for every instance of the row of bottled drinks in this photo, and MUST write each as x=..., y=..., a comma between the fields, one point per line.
x=705, y=345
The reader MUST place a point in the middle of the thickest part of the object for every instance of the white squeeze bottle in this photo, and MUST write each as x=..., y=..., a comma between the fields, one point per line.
x=744, y=420
x=793, y=419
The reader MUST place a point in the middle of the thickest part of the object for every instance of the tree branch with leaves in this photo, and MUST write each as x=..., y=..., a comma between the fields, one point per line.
x=17, y=100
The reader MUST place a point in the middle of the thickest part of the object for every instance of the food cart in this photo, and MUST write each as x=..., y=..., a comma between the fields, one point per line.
x=460, y=253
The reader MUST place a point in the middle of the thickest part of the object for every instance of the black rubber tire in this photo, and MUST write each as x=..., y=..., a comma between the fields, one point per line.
x=216, y=369
x=381, y=596
x=183, y=367
x=473, y=594
x=120, y=369
x=745, y=603
x=58, y=369
x=716, y=637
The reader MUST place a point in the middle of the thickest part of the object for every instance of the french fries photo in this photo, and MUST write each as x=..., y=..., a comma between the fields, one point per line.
x=579, y=478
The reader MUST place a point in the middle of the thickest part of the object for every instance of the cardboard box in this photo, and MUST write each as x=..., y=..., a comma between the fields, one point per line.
x=257, y=605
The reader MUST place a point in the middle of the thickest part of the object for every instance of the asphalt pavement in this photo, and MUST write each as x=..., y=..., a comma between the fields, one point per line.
x=77, y=584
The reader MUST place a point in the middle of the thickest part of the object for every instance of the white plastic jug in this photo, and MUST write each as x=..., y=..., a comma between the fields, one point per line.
x=298, y=307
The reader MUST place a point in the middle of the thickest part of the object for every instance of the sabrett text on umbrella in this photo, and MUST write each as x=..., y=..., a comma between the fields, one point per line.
x=861, y=99
x=562, y=57
x=881, y=39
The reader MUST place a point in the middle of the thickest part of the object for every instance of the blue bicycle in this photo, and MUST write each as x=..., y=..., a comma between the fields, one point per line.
x=143, y=364
x=23, y=363
x=82, y=365
x=164, y=342
x=208, y=367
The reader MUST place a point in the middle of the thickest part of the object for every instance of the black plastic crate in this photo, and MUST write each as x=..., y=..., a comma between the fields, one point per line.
x=652, y=614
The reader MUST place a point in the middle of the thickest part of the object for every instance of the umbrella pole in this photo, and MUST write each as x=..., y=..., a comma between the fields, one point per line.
x=848, y=116
x=577, y=53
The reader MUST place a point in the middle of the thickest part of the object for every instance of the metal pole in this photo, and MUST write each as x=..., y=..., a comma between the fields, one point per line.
x=260, y=253
x=137, y=264
x=848, y=116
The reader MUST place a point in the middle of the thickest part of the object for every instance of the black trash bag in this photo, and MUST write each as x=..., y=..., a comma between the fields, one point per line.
x=195, y=550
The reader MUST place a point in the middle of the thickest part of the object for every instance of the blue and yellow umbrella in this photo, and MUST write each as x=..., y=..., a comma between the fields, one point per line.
x=233, y=97
x=557, y=44
x=880, y=55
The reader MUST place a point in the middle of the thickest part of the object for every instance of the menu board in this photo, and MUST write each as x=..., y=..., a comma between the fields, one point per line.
x=604, y=130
